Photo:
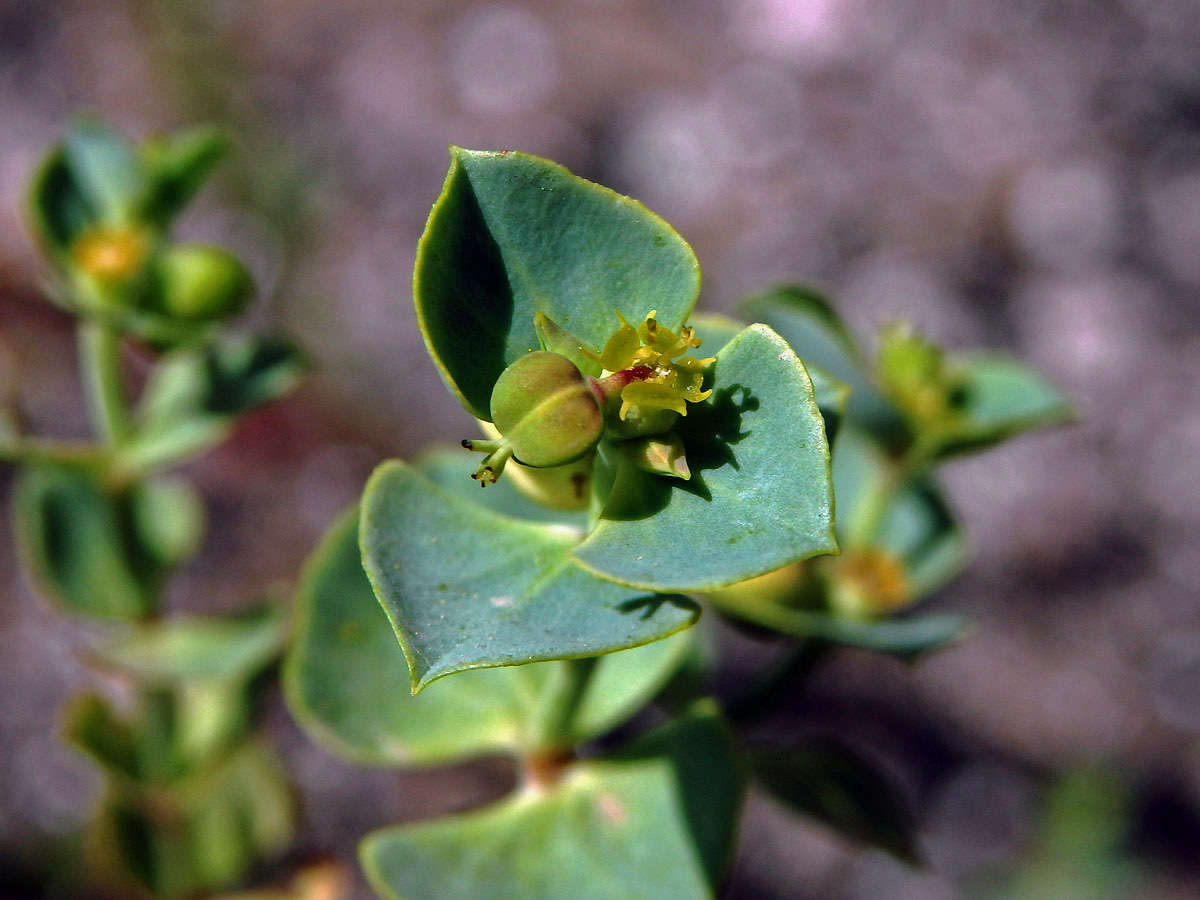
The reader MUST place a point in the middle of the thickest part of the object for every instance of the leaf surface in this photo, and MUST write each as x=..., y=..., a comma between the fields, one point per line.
x=469, y=588
x=655, y=825
x=347, y=679
x=513, y=235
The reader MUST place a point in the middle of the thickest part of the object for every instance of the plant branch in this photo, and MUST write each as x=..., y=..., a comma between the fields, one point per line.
x=553, y=729
x=100, y=365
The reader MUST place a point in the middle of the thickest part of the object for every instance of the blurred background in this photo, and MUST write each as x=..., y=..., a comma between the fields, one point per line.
x=1021, y=175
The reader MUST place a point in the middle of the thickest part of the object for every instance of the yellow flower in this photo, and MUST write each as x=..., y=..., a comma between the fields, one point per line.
x=647, y=364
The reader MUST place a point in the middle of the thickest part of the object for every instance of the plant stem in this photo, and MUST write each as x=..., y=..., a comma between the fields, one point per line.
x=33, y=450
x=873, y=508
x=553, y=728
x=100, y=365
x=880, y=493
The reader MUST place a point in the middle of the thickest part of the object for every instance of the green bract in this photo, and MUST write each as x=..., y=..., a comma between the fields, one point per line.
x=513, y=235
x=344, y=669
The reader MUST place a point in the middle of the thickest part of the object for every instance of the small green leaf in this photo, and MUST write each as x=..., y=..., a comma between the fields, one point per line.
x=80, y=543
x=759, y=496
x=168, y=518
x=556, y=339
x=58, y=208
x=808, y=322
x=177, y=166
x=842, y=789
x=655, y=826
x=189, y=648
x=194, y=396
x=1001, y=398
x=91, y=726
x=466, y=588
x=105, y=168
x=346, y=677
x=193, y=838
x=513, y=235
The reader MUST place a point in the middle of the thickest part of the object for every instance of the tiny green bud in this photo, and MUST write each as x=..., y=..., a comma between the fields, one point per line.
x=202, y=282
x=919, y=376
x=661, y=455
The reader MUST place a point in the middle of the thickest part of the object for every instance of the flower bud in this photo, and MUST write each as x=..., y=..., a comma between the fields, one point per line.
x=202, y=282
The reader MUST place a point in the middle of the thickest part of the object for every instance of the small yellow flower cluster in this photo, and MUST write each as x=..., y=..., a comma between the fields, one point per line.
x=658, y=379
x=111, y=253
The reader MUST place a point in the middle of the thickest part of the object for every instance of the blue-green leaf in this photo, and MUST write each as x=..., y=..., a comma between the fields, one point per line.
x=1001, y=398
x=654, y=825
x=347, y=680
x=809, y=323
x=513, y=235
x=469, y=588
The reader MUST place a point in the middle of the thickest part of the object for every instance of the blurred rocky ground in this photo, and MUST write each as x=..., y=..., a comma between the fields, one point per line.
x=1020, y=174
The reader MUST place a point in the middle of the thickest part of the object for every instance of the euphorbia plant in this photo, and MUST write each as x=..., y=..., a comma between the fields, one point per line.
x=193, y=798
x=638, y=457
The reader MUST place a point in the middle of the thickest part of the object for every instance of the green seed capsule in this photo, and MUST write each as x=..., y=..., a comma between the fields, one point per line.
x=201, y=282
x=545, y=410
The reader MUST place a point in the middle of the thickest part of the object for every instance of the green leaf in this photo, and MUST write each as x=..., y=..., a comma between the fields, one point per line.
x=194, y=396
x=177, y=166
x=1000, y=398
x=58, y=208
x=346, y=677
x=467, y=588
x=512, y=235
x=450, y=469
x=655, y=826
x=80, y=543
x=192, y=648
x=839, y=787
x=168, y=517
x=196, y=837
x=91, y=726
x=760, y=494
x=105, y=168
x=906, y=637
x=808, y=322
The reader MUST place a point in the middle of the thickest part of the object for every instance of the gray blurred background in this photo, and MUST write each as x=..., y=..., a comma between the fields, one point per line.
x=1017, y=174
